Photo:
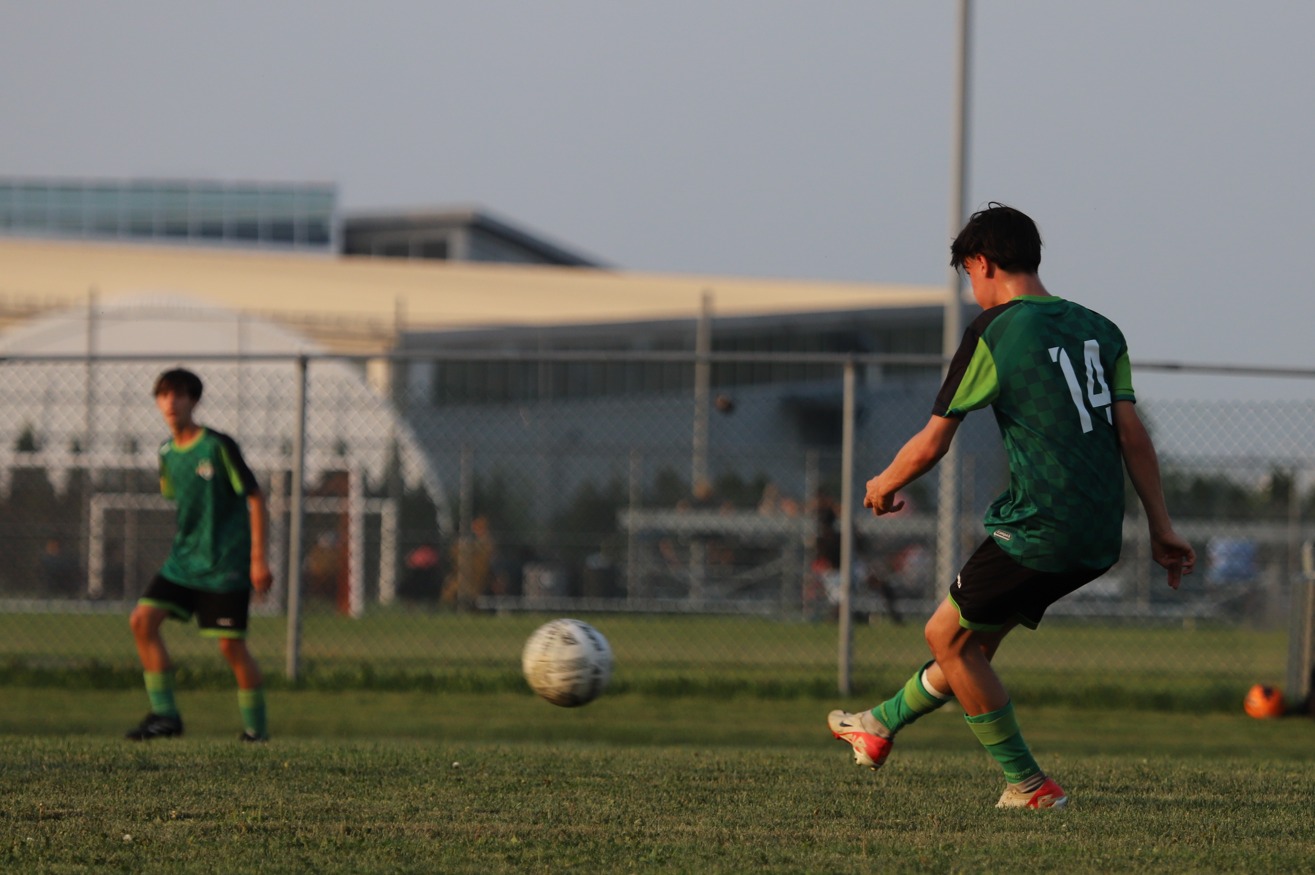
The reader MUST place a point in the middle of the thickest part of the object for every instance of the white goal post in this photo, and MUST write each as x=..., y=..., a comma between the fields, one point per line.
x=357, y=508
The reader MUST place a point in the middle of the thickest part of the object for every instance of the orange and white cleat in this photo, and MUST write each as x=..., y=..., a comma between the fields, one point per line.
x=1048, y=795
x=871, y=741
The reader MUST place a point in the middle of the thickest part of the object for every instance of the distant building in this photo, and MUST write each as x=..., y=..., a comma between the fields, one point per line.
x=300, y=217
x=488, y=351
x=436, y=285
x=296, y=216
x=465, y=234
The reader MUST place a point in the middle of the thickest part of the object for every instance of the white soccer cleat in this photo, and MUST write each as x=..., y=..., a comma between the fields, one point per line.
x=871, y=741
x=1048, y=795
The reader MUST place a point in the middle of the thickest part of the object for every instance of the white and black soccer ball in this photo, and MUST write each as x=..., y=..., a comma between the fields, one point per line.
x=568, y=662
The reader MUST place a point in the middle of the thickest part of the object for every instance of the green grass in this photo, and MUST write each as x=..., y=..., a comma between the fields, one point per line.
x=1139, y=667
x=365, y=782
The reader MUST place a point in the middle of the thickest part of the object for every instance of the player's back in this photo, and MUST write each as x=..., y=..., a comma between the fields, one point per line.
x=1058, y=369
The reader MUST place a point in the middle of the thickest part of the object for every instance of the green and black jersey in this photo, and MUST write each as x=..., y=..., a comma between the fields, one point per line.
x=210, y=482
x=1051, y=370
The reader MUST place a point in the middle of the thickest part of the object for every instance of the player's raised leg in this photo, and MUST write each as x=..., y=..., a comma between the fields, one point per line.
x=871, y=733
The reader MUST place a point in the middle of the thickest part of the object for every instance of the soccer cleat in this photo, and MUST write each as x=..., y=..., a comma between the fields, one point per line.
x=249, y=736
x=1048, y=795
x=871, y=741
x=155, y=726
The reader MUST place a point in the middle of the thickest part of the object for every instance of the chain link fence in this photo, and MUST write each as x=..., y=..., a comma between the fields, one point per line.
x=428, y=512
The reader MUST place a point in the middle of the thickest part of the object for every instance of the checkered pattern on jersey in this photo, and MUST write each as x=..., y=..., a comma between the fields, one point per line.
x=1064, y=507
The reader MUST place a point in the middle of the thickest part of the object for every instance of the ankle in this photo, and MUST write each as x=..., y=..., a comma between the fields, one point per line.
x=1030, y=784
x=870, y=723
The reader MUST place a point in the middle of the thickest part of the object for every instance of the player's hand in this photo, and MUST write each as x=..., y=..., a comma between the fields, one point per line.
x=881, y=502
x=261, y=577
x=1173, y=554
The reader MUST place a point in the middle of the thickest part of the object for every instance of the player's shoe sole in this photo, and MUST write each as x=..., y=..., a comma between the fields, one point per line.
x=1048, y=795
x=870, y=749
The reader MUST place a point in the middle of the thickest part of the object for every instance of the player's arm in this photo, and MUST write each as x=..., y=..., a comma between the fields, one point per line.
x=244, y=483
x=261, y=577
x=1168, y=548
x=918, y=456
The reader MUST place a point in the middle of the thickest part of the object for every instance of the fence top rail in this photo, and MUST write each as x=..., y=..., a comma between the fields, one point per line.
x=611, y=356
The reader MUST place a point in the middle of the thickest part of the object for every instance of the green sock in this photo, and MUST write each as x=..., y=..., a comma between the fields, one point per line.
x=160, y=690
x=252, y=705
x=911, y=702
x=999, y=733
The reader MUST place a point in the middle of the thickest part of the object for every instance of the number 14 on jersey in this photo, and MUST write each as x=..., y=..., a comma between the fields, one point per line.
x=1097, y=389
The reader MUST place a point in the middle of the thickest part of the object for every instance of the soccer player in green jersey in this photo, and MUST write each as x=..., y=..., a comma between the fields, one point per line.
x=1057, y=377
x=217, y=558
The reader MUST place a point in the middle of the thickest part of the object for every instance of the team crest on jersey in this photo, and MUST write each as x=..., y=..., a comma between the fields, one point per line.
x=205, y=470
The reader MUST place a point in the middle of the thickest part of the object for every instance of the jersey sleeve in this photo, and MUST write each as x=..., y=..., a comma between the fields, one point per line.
x=1122, y=385
x=971, y=382
x=236, y=472
x=166, y=485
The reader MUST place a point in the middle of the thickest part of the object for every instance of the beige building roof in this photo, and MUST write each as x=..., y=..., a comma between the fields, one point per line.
x=358, y=304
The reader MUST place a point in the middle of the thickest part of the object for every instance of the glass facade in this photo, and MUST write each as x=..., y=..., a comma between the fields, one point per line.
x=504, y=382
x=282, y=216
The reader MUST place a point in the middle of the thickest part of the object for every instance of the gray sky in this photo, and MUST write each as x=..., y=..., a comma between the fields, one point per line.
x=1162, y=145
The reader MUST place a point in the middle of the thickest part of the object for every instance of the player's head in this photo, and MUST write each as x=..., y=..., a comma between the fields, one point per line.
x=1004, y=236
x=178, y=381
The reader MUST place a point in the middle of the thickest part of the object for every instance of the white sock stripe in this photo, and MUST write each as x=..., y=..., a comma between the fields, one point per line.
x=926, y=685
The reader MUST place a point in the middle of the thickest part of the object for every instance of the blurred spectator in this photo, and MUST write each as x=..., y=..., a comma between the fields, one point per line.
x=59, y=571
x=423, y=579
x=320, y=569
x=822, y=588
x=471, y=573
x=773, y=502
x=1232, y=561
x=702, y=497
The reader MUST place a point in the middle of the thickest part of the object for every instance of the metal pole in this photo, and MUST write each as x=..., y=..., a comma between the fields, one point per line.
x=846, y=644
x=91, y=543
x=702, y=389
x=89, y=402
x=297, y=511
x=635, y=497
x=466, y=491
x=1301, y=632
x=947, y=518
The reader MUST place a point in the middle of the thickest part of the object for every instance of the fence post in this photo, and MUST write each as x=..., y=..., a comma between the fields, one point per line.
x=1301, y=631
x=846, y=644
x=634, y=499
x=297, y=512
x=702, y=389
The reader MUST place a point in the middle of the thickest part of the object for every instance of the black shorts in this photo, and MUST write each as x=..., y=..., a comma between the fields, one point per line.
x=219, y=614
x=993, y=589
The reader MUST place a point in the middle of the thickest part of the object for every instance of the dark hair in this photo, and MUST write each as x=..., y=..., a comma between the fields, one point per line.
x=180, y=381
x=1007, y=237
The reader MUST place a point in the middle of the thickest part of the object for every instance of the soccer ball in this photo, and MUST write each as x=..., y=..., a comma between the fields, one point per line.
x=1264, y=701
x=568, y=662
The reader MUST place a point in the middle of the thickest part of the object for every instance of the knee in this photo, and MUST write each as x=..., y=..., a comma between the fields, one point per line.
x=946, y=642
x=234, y=650
x=934, y=634
x=143, y=622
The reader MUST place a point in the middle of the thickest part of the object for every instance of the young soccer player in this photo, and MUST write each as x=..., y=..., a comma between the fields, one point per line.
x=1058, y=379
x=218, y=556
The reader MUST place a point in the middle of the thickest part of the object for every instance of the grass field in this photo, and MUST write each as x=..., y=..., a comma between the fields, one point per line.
x=410, y=744
x=364, y=782
x=1141, y=667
